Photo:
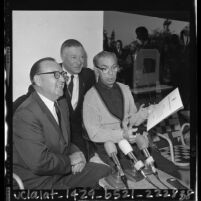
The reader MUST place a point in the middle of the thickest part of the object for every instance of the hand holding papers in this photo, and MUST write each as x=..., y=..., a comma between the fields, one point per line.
x=166, y=107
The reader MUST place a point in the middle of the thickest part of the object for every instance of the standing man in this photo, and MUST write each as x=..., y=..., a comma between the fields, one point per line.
x=80, y=80
x=43, y=155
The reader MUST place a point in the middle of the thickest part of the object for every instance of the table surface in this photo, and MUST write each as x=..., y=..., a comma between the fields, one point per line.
x=144, y=184
x=157, y=88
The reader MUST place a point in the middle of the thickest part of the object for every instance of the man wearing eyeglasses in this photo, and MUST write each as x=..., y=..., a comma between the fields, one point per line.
x=43, y=155
x=109, y=113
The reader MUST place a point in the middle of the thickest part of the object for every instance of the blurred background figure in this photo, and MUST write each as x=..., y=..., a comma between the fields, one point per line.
x=131, y=50
x=105, y=41
x=121, y=53
x=172, y=58
x=143, y=39
x=185, y=67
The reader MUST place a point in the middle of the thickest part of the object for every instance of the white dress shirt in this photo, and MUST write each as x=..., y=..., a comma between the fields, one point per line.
x=50, y=106
x=75, y=92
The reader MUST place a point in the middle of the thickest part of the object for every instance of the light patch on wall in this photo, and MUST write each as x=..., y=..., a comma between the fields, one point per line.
x=38, y=34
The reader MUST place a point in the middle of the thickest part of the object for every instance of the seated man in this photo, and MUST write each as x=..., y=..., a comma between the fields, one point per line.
x=109, y=113
x=22, y=98
x=43, y=155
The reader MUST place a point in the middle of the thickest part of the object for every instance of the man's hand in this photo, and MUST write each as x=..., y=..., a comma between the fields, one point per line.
x=128, y=134
x=150, y=108
x=78, y=167
x=78, y=161
x=143, y=111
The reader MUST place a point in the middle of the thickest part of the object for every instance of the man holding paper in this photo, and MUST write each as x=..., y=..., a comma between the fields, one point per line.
x=109, y=113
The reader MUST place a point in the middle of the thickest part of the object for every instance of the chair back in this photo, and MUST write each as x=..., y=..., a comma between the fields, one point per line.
x=169, y=139
x=19, y=181
x=170, y=128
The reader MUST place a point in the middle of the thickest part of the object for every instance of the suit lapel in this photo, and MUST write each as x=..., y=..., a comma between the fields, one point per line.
x=124, y=102
x=80, y=94
x=68, y=98
x=64, y=123
x=46, y=111
x=81, y=88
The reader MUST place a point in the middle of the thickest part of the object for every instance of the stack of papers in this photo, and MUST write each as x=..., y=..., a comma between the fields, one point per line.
x=166, y=107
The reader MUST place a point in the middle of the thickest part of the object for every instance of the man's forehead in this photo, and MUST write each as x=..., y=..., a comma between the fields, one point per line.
x=73, y=50
x=107, y=59
x=50, y=65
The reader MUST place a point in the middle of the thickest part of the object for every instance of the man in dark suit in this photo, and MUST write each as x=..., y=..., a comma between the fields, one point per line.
x=22, y=98
x=43, y=155
x=81, y=79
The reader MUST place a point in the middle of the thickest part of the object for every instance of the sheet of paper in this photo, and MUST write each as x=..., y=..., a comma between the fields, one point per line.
x=166, y=107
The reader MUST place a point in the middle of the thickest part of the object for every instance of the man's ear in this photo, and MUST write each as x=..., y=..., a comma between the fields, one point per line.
x=62, y=56
x=96, y=73
x=37, y=80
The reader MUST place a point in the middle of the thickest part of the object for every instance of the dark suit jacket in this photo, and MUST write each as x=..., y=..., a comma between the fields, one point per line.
x=22, y=98
x=40, y=150
x=86, y=81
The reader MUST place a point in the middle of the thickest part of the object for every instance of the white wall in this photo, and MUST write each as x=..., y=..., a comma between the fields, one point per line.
x=38, y=34
x=124, y=25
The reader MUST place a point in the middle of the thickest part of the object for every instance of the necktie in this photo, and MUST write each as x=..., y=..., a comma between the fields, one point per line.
x=59, y=117
x=70, y=86
x=58, y=112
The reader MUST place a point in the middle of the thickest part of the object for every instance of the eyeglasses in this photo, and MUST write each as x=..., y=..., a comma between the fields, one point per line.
x=106, y=69
x=57, y=74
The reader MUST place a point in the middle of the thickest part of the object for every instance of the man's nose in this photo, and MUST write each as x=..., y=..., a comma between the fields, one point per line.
x=111, y=71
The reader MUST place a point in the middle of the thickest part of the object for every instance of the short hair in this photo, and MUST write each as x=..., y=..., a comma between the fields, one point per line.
x=142, y=33
x=121, y=43
x=103, y=54
x=70, y=43
x=36, y=67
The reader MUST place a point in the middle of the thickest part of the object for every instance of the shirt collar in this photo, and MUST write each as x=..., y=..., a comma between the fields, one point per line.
x=49, y=103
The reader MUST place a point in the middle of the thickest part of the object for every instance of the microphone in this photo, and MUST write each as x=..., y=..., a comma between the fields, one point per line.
x=111, y=150
x=142, y=144
x=128, y=150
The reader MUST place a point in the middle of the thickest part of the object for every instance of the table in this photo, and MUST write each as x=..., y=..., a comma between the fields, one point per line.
x=150, y=95
x=143, y=184
x=156, y=88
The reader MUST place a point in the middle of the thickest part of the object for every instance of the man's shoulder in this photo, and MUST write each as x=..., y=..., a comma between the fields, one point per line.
x=90, y=93
x=87, y=76
x=29, y=104
x=86, y=72
x=123, y=86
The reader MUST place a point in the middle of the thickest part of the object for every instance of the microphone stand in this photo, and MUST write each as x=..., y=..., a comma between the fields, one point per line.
x=117, y=180
x=137, y=175
x=123, y=177
x=142, y=129
x=124, y=180
x=133, y=174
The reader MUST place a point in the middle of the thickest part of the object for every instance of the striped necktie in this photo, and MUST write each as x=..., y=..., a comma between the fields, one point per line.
x=70, y=86
x=58, y=112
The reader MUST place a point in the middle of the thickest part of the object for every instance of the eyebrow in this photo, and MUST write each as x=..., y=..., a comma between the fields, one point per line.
x=107, y=66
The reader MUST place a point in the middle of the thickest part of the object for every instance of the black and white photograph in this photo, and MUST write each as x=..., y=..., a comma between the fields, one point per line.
x=100, y=104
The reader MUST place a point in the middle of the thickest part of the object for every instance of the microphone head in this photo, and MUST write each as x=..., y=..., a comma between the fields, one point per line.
x=110, y=148
x=125, y=146
x=141, y=142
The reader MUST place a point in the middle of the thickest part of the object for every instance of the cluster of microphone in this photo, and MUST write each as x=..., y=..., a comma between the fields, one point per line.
x=127, y=149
